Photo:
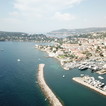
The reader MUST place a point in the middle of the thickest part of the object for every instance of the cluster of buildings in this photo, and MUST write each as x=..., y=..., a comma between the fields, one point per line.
x=71, y=55
x=85, y=48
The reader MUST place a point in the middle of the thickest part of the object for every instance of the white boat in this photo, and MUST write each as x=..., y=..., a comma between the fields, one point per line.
x=66, y=68
x=36, y=46
x=82, y=75
x=45, y=99
x=18, y=60
x=63, y=76
x=100, y=77
x=83, y=67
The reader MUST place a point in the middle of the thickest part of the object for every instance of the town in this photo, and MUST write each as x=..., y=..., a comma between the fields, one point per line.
x=82, y=53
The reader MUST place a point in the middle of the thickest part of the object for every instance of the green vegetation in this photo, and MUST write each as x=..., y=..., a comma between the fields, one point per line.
x=19, y=36
x=88, y=54
x=98, y=49
x=61, y=56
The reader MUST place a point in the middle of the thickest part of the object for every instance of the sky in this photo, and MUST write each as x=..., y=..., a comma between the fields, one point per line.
x=41, y=16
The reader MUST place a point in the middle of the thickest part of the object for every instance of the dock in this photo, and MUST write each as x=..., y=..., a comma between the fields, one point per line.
x=51, y=97
x=82, y=81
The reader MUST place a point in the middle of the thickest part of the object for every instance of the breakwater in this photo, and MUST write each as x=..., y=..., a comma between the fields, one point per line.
x=53, y=100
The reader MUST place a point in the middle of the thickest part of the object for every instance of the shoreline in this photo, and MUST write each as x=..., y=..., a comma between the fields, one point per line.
x=53, y=100
x=94, y=66
x=81, y=81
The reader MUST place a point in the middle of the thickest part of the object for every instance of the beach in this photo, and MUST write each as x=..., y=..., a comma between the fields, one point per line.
x=81, y=81
x=53, y=100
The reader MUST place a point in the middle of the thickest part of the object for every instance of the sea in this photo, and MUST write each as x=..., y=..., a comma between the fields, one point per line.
x=18, y=79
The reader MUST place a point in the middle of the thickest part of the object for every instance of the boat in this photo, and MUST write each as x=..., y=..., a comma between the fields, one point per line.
x=100, y=77
x=63, y=76
x=45, y=99
x=82, y=75
x=18, y=60
x=66, y=68
x=83, y=67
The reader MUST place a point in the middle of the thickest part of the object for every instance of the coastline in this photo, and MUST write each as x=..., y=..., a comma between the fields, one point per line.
x=53, y=100
x=66, y=64
x=81, y=81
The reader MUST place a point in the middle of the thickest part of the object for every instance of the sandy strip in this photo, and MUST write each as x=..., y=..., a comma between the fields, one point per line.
x=45, y=88
x=81, y=81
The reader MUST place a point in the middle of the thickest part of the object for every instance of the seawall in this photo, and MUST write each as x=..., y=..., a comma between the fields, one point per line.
x=53, y=100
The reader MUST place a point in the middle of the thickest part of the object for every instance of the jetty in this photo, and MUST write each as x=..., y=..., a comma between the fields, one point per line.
x=91, y=83
x=53, y=100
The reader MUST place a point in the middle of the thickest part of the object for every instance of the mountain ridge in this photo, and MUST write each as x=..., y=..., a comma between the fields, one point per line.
x=77, y=31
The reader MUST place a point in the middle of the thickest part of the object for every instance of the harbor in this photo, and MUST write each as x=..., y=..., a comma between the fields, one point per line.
x=53, y=100
x=19, y=80
x=95, y=64
x=92, y=83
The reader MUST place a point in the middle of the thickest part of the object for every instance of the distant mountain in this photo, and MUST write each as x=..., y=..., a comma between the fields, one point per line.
x=71, y=32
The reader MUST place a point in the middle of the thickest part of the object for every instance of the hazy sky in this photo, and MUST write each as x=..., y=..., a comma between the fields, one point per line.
x=47, y=15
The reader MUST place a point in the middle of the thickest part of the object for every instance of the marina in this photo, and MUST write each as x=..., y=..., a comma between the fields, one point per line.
x=20, y=80
x=92, y=83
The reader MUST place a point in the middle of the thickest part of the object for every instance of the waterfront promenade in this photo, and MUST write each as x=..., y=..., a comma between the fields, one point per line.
x=81, y=81
x=53, y=100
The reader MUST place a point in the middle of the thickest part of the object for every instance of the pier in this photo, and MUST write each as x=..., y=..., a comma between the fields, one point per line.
x=91, y=84
x=53, y=100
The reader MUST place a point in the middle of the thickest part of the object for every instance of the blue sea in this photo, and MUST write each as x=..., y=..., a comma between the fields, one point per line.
x=18, y=85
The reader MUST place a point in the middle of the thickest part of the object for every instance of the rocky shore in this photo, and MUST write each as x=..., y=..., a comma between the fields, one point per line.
x=53, y=100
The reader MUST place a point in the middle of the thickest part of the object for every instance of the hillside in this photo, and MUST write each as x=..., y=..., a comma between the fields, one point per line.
x=73, y=32
x=20, y=36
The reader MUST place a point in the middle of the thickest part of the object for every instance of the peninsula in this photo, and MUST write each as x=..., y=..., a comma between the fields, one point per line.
x=92, y=83
x=53, y=100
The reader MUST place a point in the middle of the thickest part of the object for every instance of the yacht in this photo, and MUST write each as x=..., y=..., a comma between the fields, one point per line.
x=66, y=68
x=83, y=67
x=63, y=76
x=82, y=75
x=18, y=60
x=100, y=77
x=45, y=99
